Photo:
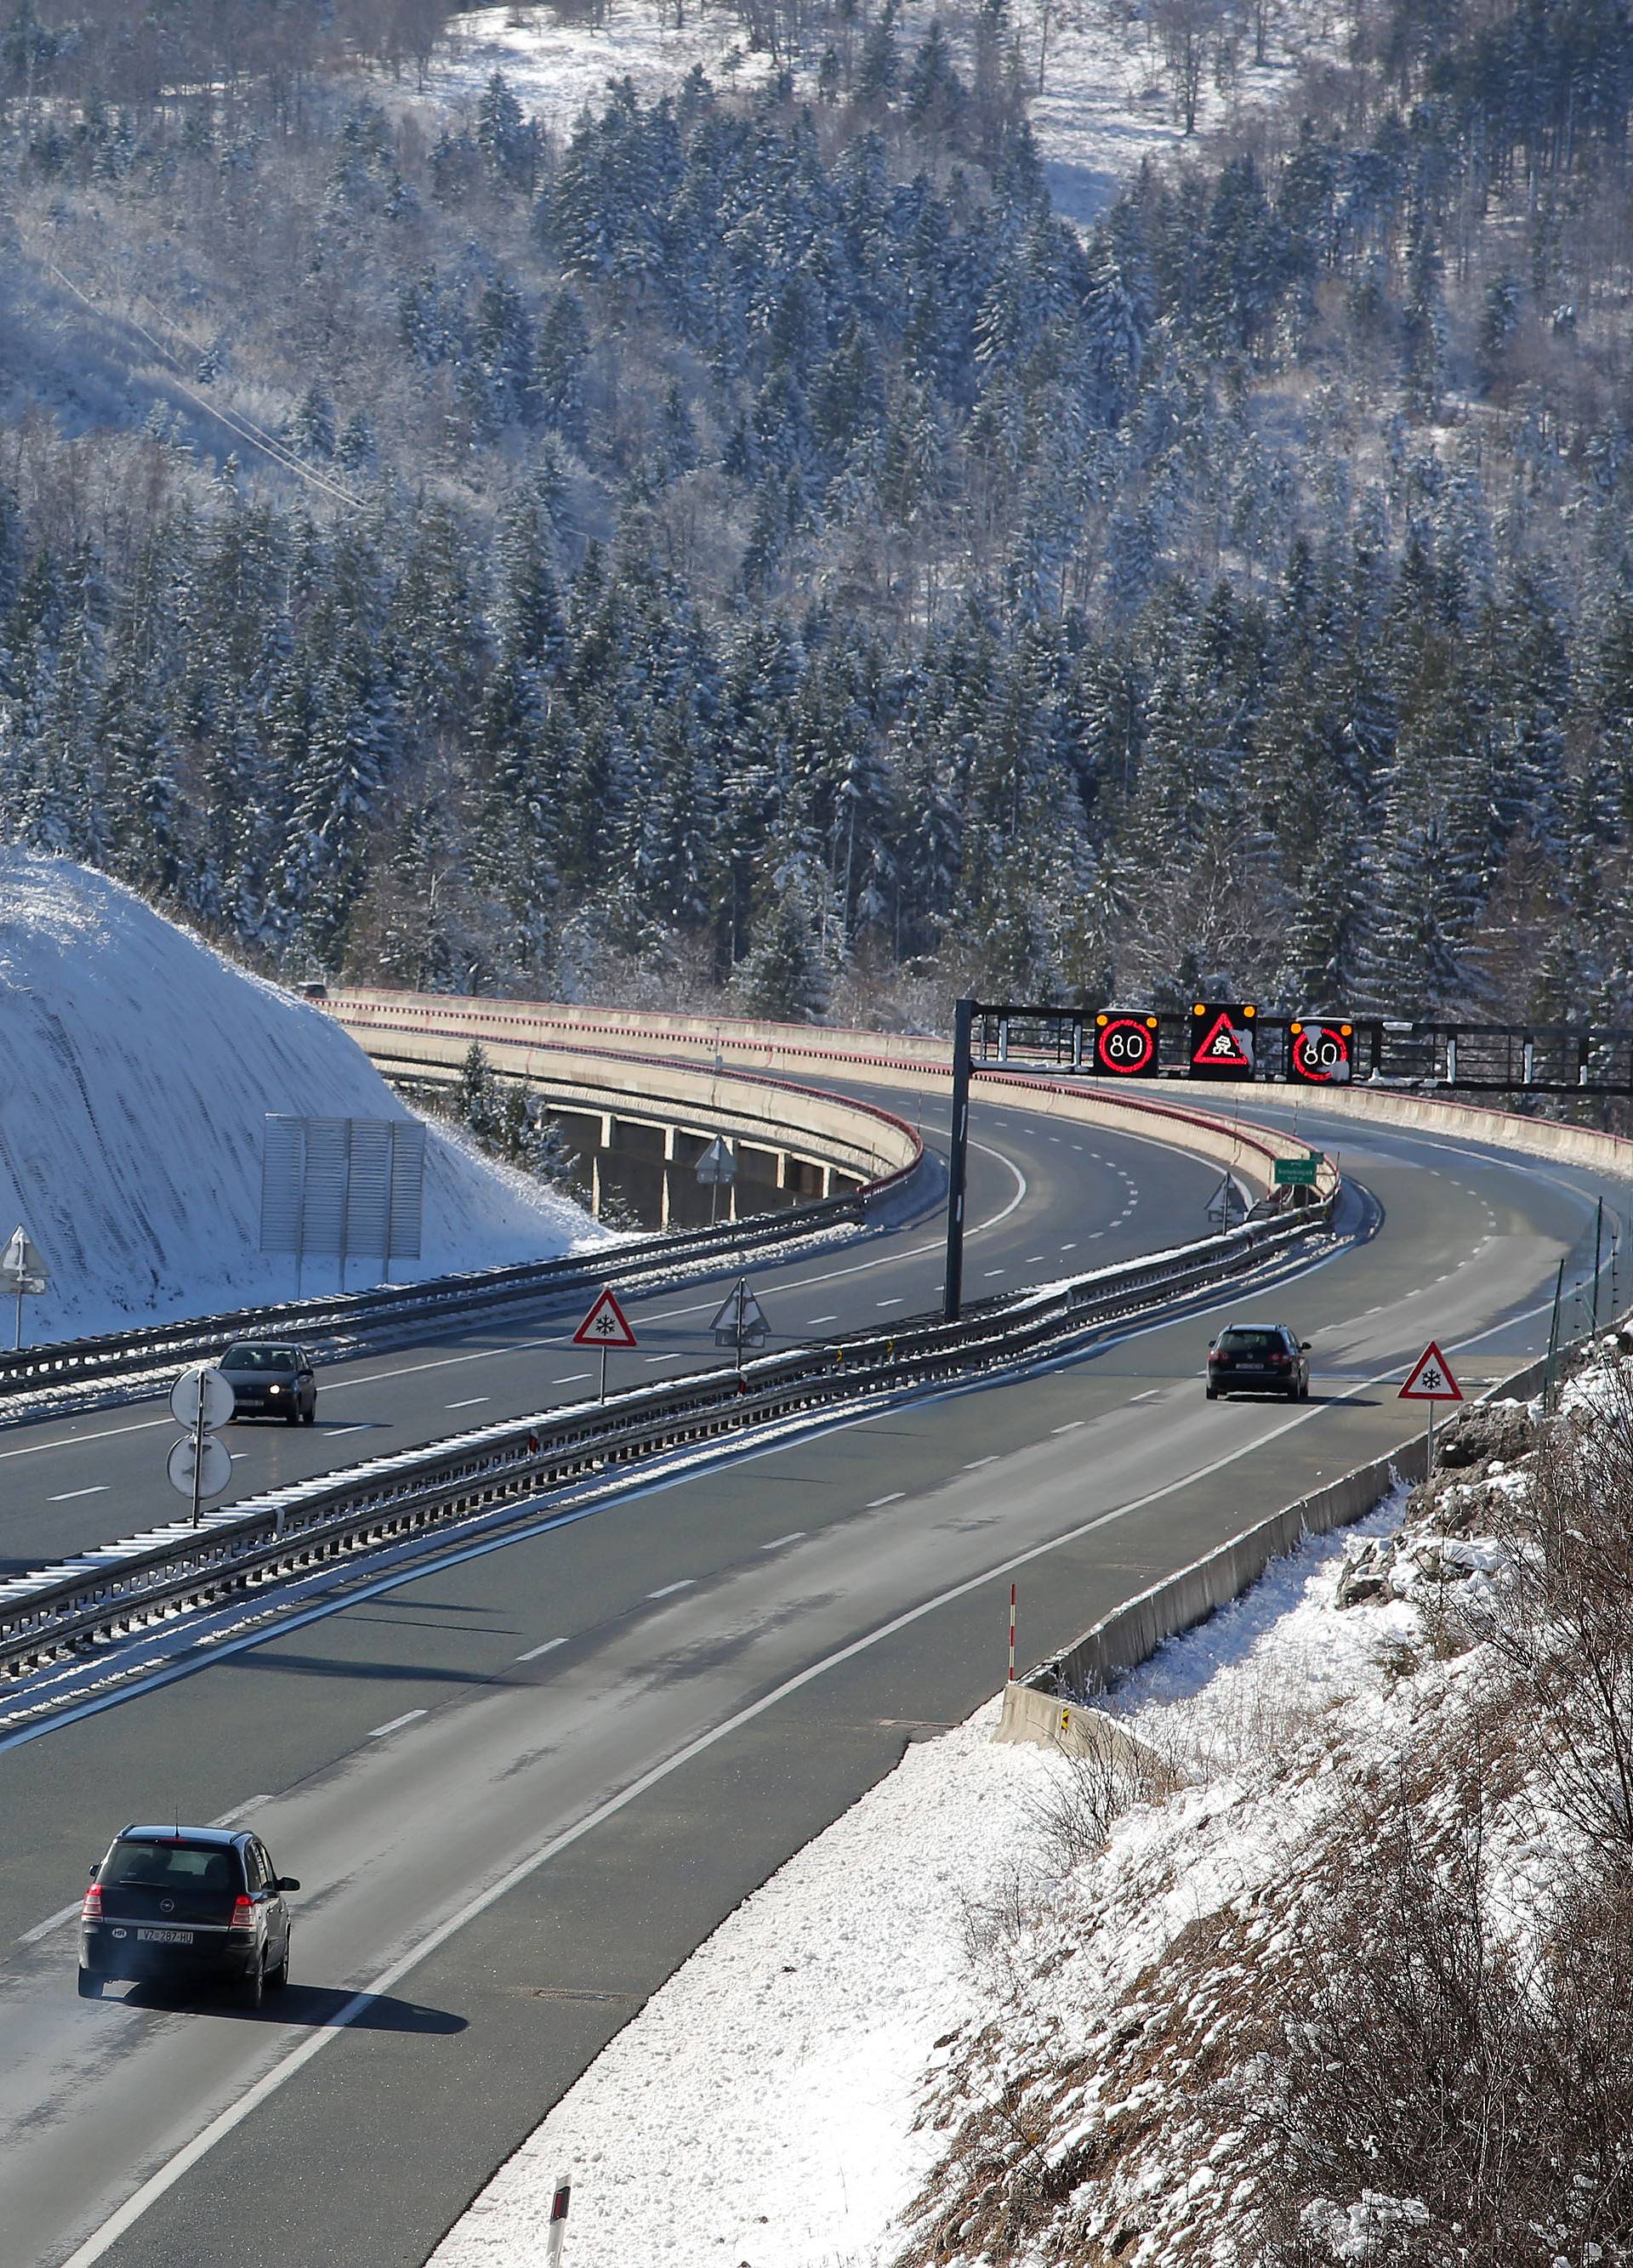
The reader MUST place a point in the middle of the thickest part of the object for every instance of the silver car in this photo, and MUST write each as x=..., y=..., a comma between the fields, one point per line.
x=270, y=1381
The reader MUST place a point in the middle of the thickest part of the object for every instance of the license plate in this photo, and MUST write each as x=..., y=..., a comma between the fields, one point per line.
x=164, y=1936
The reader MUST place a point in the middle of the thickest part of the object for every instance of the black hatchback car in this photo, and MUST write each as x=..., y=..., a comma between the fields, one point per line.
x=270, y=1381
x=186, y=1905
x=1258, y=1358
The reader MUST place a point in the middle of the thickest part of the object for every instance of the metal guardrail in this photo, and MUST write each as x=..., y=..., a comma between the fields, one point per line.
x=342, y=1315
x=107, y=1593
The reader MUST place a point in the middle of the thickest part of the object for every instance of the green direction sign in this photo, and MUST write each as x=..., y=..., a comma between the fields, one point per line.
x=1297, y=1173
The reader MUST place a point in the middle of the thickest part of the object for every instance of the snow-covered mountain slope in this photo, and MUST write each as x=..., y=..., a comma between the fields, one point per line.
x=135, y=1069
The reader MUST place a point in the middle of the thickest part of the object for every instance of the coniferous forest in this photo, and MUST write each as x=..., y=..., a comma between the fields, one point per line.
x=751, y=545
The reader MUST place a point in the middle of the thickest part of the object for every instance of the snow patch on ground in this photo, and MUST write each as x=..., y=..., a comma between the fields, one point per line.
x=770, y=2107
x=1107, y=99
x=139, y=1068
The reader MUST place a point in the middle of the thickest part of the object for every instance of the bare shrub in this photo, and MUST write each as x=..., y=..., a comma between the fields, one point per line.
x=1109, y=1776
x=1562, y=1621
x=1432, y=2093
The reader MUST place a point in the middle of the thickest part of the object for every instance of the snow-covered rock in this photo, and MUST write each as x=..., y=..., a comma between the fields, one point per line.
x=138, y=1066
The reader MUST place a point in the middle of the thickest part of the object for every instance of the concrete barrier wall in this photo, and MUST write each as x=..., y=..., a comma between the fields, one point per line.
x=1131, y=1633
x=379, y=1020
x=852, y=1137
x=794, y=1046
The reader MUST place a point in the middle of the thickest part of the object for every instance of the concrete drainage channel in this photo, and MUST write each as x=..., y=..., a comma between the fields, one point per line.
x=86, y=1608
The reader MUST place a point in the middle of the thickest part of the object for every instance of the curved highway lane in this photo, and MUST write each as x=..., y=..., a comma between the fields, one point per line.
x=520, y=1784
x=1045, y=1201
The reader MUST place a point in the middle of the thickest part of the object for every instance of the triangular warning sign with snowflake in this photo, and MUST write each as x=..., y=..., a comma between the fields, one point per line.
x=606, y=1325
x=1431, y=1379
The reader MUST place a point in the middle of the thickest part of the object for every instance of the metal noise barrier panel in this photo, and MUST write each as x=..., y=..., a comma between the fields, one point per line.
x=110, y=1592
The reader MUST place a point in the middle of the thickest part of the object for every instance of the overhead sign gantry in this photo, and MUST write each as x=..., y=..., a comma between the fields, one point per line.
x=1237, y=1041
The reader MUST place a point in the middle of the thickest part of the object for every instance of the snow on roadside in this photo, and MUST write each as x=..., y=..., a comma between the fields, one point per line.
x=140, y=1068
x=768, y=2105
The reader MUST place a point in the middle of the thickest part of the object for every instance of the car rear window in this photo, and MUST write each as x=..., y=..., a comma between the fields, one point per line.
x=1251, y=1342
x=258, y=1358
x=171, y=1867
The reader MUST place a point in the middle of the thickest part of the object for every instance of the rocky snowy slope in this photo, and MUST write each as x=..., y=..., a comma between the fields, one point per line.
x=137, y=1068
x=1340, y=1971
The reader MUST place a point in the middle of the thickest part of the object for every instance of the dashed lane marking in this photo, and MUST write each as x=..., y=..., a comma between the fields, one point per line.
x=68, y=1495
x=534, y=1651
x=777, y=1543
x=396, y=1724
x=670, y=1589
x=895, y=1497
x=471, y=1402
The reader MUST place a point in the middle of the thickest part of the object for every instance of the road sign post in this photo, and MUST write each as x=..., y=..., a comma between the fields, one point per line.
x=1430, y=1380
x=606, y=1325
x=23, y=1275
x=198, y=1464
x=739, y=1321
x=716, y=1169
x=957, y=1160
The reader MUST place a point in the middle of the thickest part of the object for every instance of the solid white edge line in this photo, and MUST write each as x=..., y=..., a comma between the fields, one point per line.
x=44, y=1928
x=794, y=1536
x=670, y=1589
x=534, y=1651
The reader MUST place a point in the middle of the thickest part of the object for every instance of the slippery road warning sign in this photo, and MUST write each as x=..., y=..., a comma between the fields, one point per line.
x=1222, y=1040
x=1431, y=1379
x=606, y=1325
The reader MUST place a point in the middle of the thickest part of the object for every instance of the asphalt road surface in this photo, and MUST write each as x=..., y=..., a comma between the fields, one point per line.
x=522, y=1783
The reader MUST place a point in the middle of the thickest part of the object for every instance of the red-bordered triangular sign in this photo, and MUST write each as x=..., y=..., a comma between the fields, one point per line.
x=1431, y=1379
x=606, y=1325
x=1222, y=1048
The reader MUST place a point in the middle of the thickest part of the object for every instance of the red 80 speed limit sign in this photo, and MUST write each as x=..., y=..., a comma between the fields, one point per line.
x=1125, y=1045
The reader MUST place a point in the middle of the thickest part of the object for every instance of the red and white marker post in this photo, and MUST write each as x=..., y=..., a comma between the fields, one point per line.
x=1430, y=1380
x=556, y=2235
x=605, y=1326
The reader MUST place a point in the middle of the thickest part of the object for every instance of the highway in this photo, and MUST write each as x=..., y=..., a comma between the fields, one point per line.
x=1044, y=1200
x=520, y=1784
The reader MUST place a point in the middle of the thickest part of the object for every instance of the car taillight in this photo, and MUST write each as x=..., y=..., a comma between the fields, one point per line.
x=1220, y=1361
x=243, y=1912
x=1279, y=1361
x=91, y=1909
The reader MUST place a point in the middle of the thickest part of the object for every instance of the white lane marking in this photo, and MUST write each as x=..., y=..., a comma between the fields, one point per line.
x=670, y=1589
x=668, y=1315
x=334, y=1433
x=1075, y=1424
x=1034, y=1260
x=662, y=1357
x=1072, y=1246
x=895, y=1300
x=534, y=1651
x=1078, y=1147
x=396, y=1724
x=776, y=1545
x=1150, y=1395
x=1055, y=1137
x=240, y=1810
x=821, y=1319
x=68, y=1495
x=470, y=1402
x=895, y=1497
x=160, y=2183
x=71, y=1440
x=993, y=1271
x=44, y=1928
x=975, y=1463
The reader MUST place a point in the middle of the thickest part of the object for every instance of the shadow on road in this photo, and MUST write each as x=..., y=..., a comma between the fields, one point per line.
x=307, y=2007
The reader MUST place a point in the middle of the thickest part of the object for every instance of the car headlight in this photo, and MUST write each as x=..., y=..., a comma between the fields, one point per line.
x=275, y=1389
